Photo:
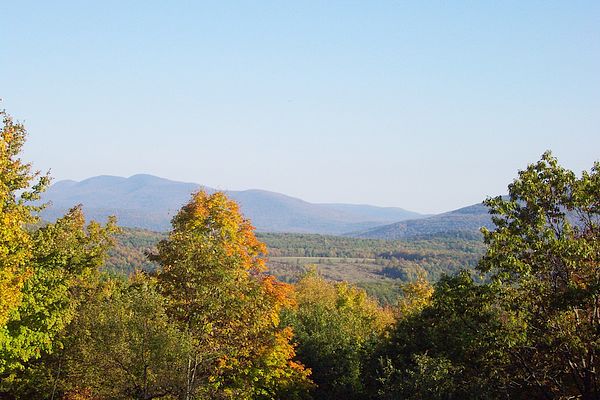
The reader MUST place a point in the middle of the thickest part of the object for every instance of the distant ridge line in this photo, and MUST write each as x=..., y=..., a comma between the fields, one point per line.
x=149, y=202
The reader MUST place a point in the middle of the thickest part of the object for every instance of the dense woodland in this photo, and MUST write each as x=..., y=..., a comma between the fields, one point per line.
x=379, y=266
x=203, y=318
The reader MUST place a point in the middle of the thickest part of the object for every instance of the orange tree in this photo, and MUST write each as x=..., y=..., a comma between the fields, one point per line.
x=212, y=274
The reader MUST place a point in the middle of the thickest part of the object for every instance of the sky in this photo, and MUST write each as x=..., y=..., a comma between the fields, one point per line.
x=428, y=106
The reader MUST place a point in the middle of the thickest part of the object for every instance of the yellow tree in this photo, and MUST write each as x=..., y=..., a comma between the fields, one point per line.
x=213, y=277
x=39, y=268
x=16, y=211
x=65, y=257
x=415, y=297
x=336, y=326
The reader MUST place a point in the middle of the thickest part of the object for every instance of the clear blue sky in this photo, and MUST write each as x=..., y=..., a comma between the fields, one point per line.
x=423, y=105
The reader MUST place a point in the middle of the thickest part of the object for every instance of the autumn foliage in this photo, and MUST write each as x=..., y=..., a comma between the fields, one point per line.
x=17, y=192
x=211, y=323
x=212, y=274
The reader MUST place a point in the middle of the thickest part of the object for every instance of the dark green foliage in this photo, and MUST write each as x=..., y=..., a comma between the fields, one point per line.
x=532, y=331
x=119, y=345
x=385, y=292
x=124, y=346
x=545, y=254
x=336, y=327
x=450, y=350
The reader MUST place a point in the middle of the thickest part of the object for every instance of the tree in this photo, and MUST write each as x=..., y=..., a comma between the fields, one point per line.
x=41, y=267
x=123, y=345
x=544, y=254
x=19, y=188
x=336, y=327
x=212, y=275
x=450, y=348
x=65, y=258
x=415, y=297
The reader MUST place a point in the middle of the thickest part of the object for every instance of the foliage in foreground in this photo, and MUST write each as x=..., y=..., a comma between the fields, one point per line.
x=212, y=324
x=533, y=331
x=336, y=327
x=212, y=277
x=206, y=326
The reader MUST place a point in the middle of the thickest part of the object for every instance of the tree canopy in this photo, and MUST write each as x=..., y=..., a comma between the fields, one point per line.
x=209, y=321
x=212, y=276
x=19, y=187
x=544, y=254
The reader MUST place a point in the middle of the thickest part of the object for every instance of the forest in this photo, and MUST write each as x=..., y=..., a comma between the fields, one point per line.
x=92, y=311
x=379, y=266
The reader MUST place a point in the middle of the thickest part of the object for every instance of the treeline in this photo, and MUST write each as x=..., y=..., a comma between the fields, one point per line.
x=210, y=323
x=311, y=245
x=131, y=245
x=380, y=266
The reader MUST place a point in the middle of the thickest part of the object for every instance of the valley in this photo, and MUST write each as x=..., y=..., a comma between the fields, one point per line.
x=379, y=266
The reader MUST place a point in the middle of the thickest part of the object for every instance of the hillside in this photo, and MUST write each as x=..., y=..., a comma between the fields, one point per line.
x=380, y=266
x=466, y=220
x=149, y=202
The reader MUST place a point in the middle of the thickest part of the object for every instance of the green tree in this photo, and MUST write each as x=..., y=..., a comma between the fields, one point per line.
x=336, y=327
x=544, y=254
x=122, y=344
x=453, y=348
x=65, y=258
x=212, y=275
x=19, y=188
x=41, y=268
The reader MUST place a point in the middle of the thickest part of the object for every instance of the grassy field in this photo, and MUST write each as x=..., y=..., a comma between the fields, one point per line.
x=332, y=268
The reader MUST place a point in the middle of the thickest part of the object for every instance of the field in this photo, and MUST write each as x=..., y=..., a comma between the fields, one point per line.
x=379, y=266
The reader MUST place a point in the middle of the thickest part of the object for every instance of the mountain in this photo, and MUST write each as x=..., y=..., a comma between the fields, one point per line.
x=466, y=220
x=146, y=201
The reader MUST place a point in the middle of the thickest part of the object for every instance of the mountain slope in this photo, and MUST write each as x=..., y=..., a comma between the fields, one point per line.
x=146, y=201
x=373, y=213
x=466, y=220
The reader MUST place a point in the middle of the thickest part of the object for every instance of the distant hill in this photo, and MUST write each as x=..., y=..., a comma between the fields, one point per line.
x=146, y=201
x=467, y=220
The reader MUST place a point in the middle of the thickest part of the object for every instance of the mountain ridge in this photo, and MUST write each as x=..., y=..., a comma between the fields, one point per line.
x=147, y=201
x=469, y=219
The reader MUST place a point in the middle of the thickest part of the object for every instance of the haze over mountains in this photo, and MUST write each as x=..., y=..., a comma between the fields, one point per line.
x=146, y=201
x=467, y=220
